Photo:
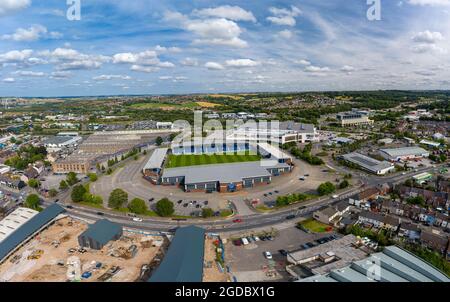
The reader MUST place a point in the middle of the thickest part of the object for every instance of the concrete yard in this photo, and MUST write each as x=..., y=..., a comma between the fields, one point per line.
x=50, y=251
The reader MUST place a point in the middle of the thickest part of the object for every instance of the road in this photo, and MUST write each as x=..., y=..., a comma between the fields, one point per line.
x=248, y=222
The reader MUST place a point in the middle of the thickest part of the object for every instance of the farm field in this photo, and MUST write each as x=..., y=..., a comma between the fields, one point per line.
x=175, y=161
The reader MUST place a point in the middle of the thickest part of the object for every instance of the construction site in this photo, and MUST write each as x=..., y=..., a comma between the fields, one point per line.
x=55, y=256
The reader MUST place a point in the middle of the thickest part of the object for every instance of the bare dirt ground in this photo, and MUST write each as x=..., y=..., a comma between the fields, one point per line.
x=211, y=272
x=45, y=257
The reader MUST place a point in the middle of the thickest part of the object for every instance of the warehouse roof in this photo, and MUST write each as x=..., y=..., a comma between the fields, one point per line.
x=157, y=159
x=33, y=225
x=394, y=152
x=102, y=231
x=184, y=260
x=366, y=162
x=15, y=220
x=393, y=264
x=225, y=173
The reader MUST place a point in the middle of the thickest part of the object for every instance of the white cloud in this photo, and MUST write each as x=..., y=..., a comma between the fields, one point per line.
x=9, y=80
x=60, y=75
x=347, y=68
x=71, y=59
x=146, y=69
x=428, y=48
x=189, y=62
x=241, y=63
x=165, y=78
x=215, y=31
x=16, y=56
x=107, y=77
x=303, y=62
x=214, y=66
x=428, y=37
x=283, y=16
x=313, y=69
x=430, y=2
x=26, y=73
x=234, y=13
x=10, y=6
x=33, y=33
x=285, y=34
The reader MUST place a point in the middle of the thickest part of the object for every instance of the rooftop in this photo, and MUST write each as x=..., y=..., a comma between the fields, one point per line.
x=184, y=260
x=392, y=265
x=157, y=159
x=366, y=162
x=14, y=221
x=394, y=152
x=225, y=173
x=102, y=231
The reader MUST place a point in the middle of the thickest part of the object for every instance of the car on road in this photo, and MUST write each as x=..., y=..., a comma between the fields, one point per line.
x=276, y=191
x=283, y=252
x=100, y=214
x=238, y=220
x=151, y=199
x=335, y=196
x=289, y=217
x=268, y=255
x=306, y=175
x=206, y=202
x=302, y=179
x=137, y=219
x=180, y=201
x=69, y=207
x=57, y=200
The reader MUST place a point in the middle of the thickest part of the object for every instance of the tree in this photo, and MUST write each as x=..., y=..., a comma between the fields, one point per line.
x=207, y=212
x=93, y=177
x=137, y=206
x=78, y=192
x=344, y=184
x=72, y=178
x=52, y=192
x=164, y=208
x=63, y=185
x=326, y=188
x=32, y=202
x=117, y=199
x=159, y=141
x=33, y=183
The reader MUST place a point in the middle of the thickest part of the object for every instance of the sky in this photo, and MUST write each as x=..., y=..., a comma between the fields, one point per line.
x=212, y=46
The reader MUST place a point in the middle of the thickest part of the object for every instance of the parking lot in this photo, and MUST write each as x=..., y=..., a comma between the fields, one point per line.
x=248, y=262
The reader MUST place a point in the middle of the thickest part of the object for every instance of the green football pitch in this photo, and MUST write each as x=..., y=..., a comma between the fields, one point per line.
x=175, y=161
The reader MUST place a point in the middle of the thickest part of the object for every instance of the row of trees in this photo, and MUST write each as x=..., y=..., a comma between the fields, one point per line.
x=306, y=155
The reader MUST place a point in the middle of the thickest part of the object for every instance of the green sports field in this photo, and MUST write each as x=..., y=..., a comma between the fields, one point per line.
x=175, y=161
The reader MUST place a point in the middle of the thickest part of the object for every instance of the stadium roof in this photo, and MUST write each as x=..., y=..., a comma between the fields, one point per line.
x=157, y=159
x=59, y=140
x=14, y=221
x=225, y=173
x=33, y=225
x=392, y=265
x=274, y=151
x=102, y=231
x=184, y=260
x=395, y=152
x=366, y=162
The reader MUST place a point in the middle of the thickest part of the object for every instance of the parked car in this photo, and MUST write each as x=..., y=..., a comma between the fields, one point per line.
x=180, y=201
x=237, y=242
x=151, y=199
x=268, y=255
x=283, y=252
x=86, y=275
x=245, y=241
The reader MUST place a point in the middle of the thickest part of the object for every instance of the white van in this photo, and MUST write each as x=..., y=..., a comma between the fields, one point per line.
x=244, y=241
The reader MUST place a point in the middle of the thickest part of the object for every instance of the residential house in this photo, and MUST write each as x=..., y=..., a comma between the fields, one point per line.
x=391, y=223
x=372, y=218
x=362, y=198
x=434, y=240
x=327, y=215
x=409, y=230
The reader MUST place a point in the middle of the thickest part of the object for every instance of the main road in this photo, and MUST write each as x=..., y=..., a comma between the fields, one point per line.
x=249, y=222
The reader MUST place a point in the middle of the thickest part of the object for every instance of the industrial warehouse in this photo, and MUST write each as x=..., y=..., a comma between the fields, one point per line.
x=218, y=177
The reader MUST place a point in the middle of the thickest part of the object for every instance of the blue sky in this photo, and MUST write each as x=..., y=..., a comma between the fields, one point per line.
x=165, y=47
